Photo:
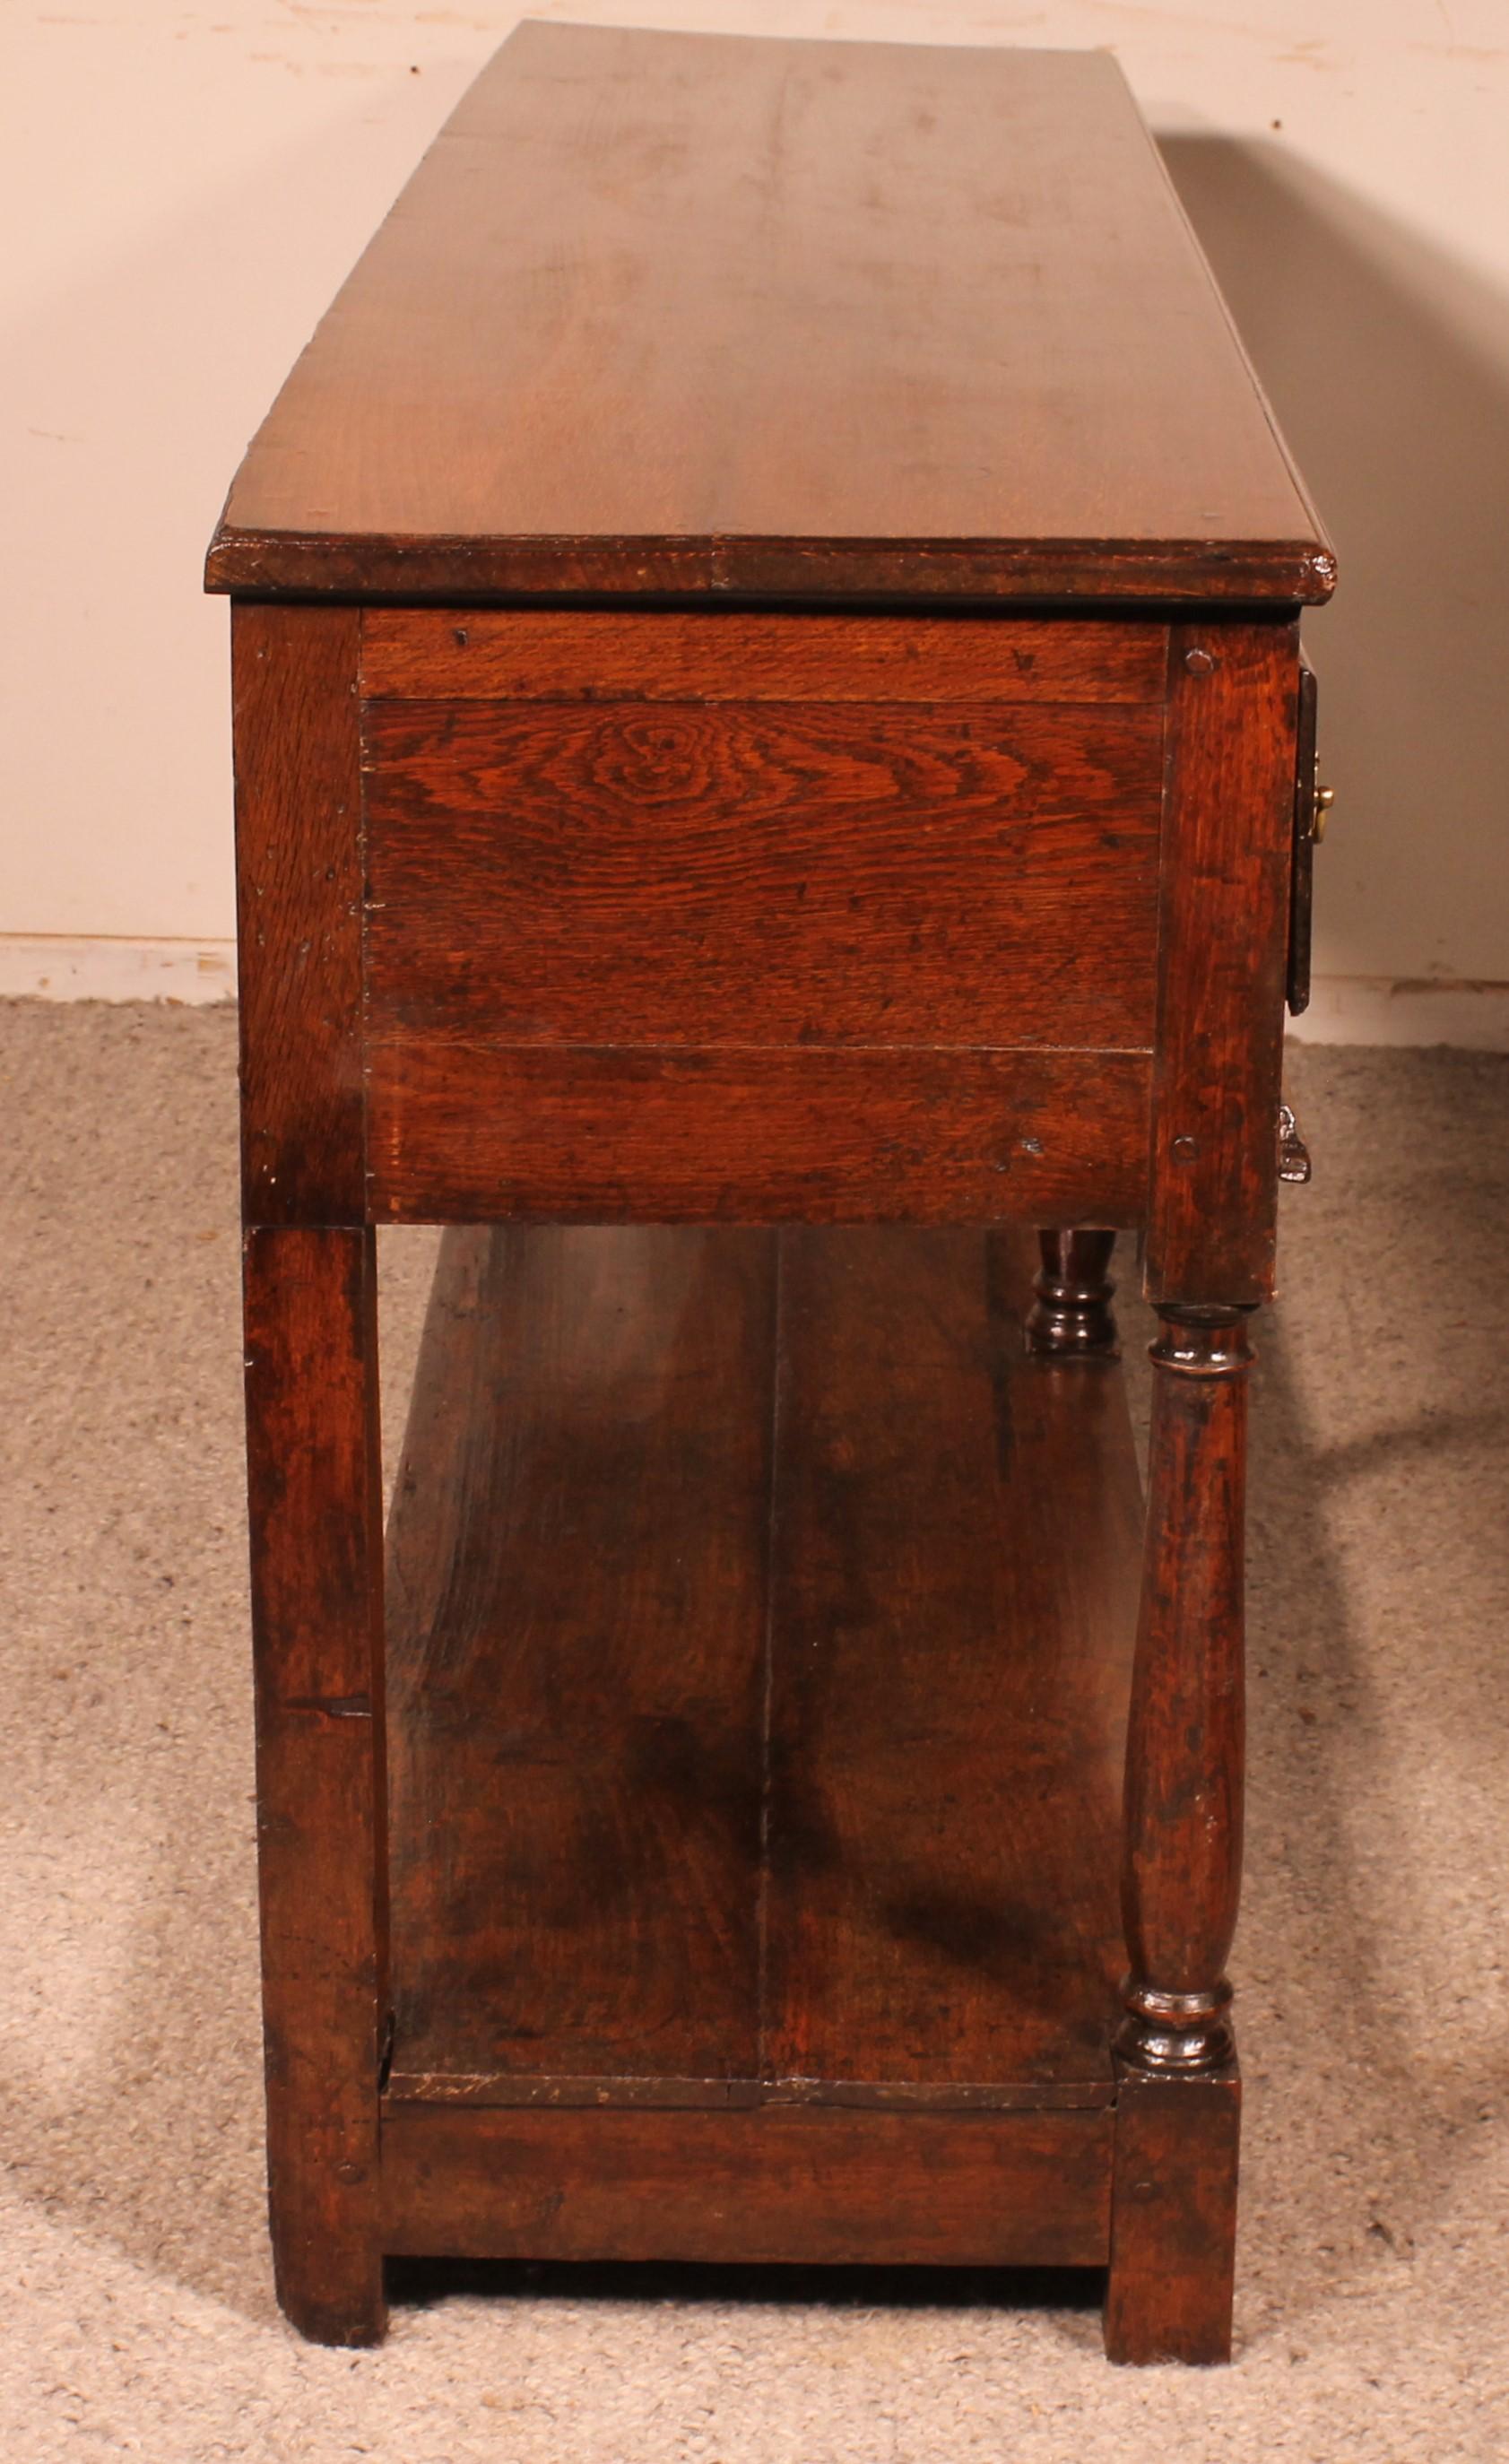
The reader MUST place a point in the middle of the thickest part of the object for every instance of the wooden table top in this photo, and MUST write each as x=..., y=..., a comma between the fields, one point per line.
x=708, y=314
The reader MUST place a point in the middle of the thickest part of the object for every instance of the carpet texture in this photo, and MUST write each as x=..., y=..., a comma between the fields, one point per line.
x=1371, y=1967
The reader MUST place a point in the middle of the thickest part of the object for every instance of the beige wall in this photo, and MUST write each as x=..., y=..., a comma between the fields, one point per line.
x=189, y=184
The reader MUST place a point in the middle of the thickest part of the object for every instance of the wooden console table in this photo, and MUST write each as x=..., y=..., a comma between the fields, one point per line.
x=767, y=714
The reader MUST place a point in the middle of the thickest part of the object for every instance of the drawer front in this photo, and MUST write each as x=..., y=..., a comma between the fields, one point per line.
x=840, y=906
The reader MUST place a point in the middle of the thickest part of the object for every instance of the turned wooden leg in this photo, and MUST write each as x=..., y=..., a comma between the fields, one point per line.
x=316, y=1512
x=1071, y=1317
x=1174, y=2207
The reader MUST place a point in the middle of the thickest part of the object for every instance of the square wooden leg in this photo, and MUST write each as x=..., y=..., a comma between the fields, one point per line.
x=1173, y=2217
x=315, y=1519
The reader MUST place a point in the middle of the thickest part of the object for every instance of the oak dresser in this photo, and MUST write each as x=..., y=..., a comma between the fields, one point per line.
x=775, y=801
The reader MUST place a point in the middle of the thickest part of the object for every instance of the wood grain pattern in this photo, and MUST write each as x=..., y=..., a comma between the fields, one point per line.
x=602, y=2091
x=1173, y=2219
x=658, y=1840
x=765, y=875
x=475, y=1133
x=1228, y=822
x=941, y=1893
x=830, y=2188
x=298, y=874
x=666, y=312
x=316, y=1600
x=734, y=654
x=761, y=1597
x=577, y=1634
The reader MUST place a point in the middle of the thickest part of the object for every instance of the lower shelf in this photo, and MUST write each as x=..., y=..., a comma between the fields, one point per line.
x=760, y=1620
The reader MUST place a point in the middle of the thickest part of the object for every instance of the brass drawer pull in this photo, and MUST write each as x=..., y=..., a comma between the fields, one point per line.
x=1294, y=1155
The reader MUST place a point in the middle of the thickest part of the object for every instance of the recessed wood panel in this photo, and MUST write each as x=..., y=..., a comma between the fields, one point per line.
x=478, y=1132
x=765, y=873
x=735, y=654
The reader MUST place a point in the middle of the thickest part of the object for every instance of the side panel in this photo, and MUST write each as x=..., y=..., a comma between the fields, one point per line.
x=760, y=918
x=807, y=874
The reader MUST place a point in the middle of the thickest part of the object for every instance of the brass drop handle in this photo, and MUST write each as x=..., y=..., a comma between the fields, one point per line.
x=1325, y=799
x=1294, y=1155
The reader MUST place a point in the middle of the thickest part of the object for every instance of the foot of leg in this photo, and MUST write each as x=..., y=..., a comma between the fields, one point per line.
x=1174, y=2218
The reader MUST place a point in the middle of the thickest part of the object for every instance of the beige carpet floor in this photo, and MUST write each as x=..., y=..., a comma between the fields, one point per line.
x=1372, y=2312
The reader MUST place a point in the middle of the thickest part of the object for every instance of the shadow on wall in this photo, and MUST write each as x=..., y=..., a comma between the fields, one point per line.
x=1387, y=366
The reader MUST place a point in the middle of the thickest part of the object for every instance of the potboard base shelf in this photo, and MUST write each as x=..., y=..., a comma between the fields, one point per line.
x=759, y=1630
